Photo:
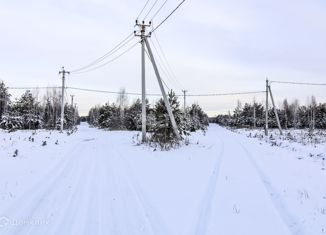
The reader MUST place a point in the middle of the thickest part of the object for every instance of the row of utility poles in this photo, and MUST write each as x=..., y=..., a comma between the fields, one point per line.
x=145, y=45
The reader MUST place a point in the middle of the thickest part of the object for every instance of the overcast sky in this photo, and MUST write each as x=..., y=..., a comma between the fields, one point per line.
x=213, y=46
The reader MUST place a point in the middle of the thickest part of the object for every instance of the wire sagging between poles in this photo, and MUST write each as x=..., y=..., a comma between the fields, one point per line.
x=108, y=62
x=124, y=42
x=300, y=83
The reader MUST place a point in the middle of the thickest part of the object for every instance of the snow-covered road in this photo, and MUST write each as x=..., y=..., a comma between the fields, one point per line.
x=99, y=182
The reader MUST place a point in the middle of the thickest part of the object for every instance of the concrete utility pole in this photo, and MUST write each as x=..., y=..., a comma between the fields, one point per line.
x=166, y=101
x=144, y=42
x=275, y=111
x=142, y=26
x=63, y=72
x=266, y=109
x=184, y=100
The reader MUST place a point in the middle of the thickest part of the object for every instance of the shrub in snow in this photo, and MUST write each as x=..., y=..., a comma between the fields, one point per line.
x=11, y=122
x=15, y=153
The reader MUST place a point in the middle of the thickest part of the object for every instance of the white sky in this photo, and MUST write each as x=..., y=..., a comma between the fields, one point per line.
x=213, y=47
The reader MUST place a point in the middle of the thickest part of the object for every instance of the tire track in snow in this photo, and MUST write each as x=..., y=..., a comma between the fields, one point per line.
x=290, y=220
x=113, y=205
x=206, y=205
x=59, y=197
x=75, y=206
x=56, y=195
x=95, y=220
x=150, y=212
x=28, y=203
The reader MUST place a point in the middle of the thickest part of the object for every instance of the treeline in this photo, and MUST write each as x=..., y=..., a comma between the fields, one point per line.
x=28, y=113
x=121, y=116
x=291, y=115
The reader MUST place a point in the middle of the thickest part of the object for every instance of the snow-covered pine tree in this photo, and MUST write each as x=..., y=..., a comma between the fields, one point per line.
x=4, y=99
x=198, y=120
x=133, y=116
x=163, y=133
x=237, y=114
x=48, y=115
x=28, y=110
x=69, y=117
x=321, y=116
x=109, y=117
x=93, y=116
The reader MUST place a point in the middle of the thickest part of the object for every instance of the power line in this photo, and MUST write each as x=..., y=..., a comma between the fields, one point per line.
x=108, y=62
x=300, y=83
x=174, y=77
x=193, y=95
x=125, y=41
x=159, y=10
x=229, y=94
x=135, y=93
x=162, y=67
x=150, y=9
x=32, y=88
x=161, y=63
x=109, y=92
x=168, y=16
x=161, y=70
x=143, y=9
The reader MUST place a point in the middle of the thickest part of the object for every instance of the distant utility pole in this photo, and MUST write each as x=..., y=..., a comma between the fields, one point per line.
x=72, y=100
x=269, y=90
x=184, y=100
x=275, y=111
x=144, y=42
x=266, y=109
x=63, y=72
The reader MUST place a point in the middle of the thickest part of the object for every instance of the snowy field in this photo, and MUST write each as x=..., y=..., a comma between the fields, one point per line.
x=100, y=182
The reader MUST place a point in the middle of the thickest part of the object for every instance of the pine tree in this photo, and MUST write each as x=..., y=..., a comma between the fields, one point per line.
x=4, y=99
x=198, y=120
x=47, y=115
x=163, y=133
x=133, y=116
x=28, y=110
